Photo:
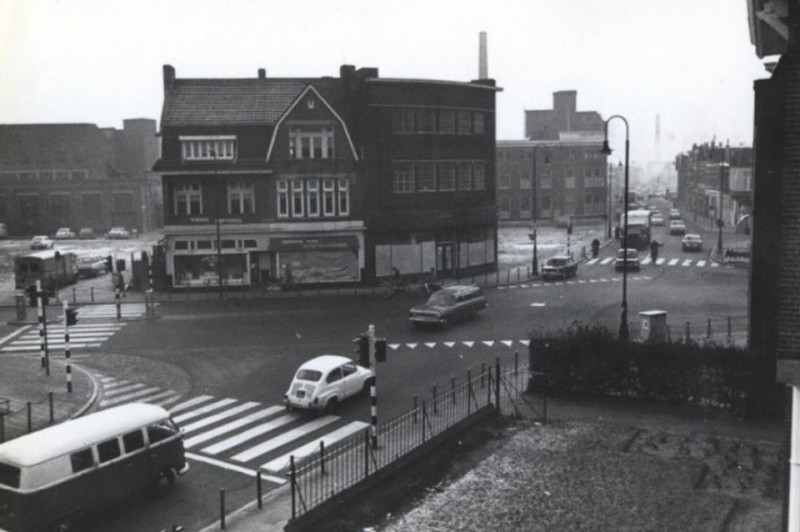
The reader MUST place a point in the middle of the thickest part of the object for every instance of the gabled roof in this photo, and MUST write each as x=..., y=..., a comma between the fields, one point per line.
x=201, y=102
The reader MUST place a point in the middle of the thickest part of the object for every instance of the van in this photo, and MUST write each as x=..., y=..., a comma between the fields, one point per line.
x=50, y=477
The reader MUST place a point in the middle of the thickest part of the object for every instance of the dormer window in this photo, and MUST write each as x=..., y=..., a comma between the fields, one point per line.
x=209, y=148
x=311, y=142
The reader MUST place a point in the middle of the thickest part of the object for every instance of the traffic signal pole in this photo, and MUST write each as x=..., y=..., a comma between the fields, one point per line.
x=373, y=389
x=42, y=311
x=67, y=320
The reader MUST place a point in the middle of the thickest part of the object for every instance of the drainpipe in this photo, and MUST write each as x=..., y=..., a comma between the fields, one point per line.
x=794, y=465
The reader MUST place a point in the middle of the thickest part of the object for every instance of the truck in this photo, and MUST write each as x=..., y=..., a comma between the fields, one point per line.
x=638, y=228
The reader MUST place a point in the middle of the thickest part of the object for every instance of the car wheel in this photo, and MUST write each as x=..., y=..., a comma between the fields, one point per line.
x=165, y=479
x=331, y=404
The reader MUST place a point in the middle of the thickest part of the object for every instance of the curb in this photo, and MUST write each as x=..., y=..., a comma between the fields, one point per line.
x=92, y=398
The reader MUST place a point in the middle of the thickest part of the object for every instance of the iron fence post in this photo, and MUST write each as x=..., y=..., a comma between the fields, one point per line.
x=435, y=407
x=424, y=420
x=30, y=421
x=414, y=415
x=483, y=373
x=453, y=388
x=729, y=328
x=222, y=508
x=366, y=453
x=50, y=404
x=516, y=362
x=293, y=477
x=322, y=457
x=469, y=392
x=497, y=383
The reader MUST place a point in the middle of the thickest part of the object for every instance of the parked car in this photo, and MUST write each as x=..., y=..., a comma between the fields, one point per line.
x=657, y=219
x=86, y=233
x=674, y=214
x=692, y=242
x=677, y=227
x=91, y=266
x=632, y=260
x=449, y=304
x=41, y=242
x=118, y=233
x=561, y=266
x=64, y=233
x=325, y=381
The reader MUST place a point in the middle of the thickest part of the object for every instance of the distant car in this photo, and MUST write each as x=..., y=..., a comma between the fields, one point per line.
x=91, y=266
x=325, y=381
x=118, y=233
x=677, y=227
x=86, y=233
x=692, y=242
x=674, y=214
x=65, y=233
x=562, y=266
x=41, y=242
x=452, y=303
x=657, y=219
x=3, y=230
x=632, y=260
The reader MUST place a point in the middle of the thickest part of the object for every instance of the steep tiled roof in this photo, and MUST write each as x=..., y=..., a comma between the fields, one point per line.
x=198, y=102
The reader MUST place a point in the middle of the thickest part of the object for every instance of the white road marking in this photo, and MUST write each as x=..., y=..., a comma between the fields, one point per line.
x=15, y=333
x=230, y=427
x=123, y=389
x=507, y=343
x=488, y=343
x=538, y=304
x=233, y=467
x=449, y=344
x=591, y=261
x=687, y=262
x=647, y=260
x=701, y=263
x=163, y=398
x=715, y=264
x=468, y=344
x=606, y=260
x=310, y=448
x=203, y=410
x=190, y=403
x=219, y=417
x=660, y=261
x=122, y=398
x=273, y=443
x=256, y=431
x=673, y=262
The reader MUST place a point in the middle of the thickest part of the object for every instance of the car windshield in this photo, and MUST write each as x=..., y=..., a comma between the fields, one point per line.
x=441, y=298
x=557, y=262
x=308, y=375
x=632, y=253
x=87, y=260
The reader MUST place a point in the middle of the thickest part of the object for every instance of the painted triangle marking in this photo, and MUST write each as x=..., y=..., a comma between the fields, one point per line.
x=449, y=344
x=526, y=343
x=507, y=343
x=538, y=304
x=430, y=344
x=468, y=344
x=488, y=343
x=394, y=346
x=412, y=346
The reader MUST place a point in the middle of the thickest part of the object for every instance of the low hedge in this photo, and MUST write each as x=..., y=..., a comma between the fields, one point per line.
x=590, y=361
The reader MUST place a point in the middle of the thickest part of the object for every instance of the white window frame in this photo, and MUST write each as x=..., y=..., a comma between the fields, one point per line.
x=403, y=179
x=297, y=198
x=184, y=193
x=241, y=190
x=344, y=197
x=284, y=207
x=449, y=184
x=208, y=148
x=321, y=136
x=328, y=197
x=463, y=183
x=312, y=198
x=428, y=184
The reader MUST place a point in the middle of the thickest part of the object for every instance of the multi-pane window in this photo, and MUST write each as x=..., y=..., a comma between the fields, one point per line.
x=426, y=120
x=477, y=122
x=447, y=176
x=297, y=198
x=312, y=197
x=546, y=180
x=447, y=121
x=525, y=182
x=283, y=198
x=241, y=198
x=344, y=197
x=188, y=199
x=426, y=178
x=329, y=197
x=464, y=122
x=403, y=120
x=301, y=198
x=479, y=176
x=504, y=180
x=208, y=148
x=464, y=172
x=311, y=142
x=403, y=180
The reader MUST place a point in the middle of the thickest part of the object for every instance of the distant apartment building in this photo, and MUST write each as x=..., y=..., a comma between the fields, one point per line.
x=558, y=172
x=326, y=180
x=713, y=176
x=78, y=175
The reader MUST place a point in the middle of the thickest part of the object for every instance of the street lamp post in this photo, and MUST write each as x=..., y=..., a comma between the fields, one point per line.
x=535, y=259
x=609, y=196
x=606, y=150
x=720, y=222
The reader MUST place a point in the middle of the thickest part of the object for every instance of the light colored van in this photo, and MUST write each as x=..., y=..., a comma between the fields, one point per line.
x=50, y=477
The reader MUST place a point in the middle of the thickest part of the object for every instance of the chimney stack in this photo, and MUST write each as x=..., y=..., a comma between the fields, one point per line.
x=169, y=78
x=262, y=73
x=483, y=60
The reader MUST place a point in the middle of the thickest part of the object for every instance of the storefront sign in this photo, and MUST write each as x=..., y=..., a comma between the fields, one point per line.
x=737, y=256
x=314, y=244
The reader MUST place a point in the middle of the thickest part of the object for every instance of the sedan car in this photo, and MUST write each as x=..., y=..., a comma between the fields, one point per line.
x=41, y=242
x=118, y=233
x=692, y=243
x=657, y=219
x=449, y=304
x=91, y=266
x=64, y=233
x=632, y=260
x=559, y=267
x=86, y=233
x=325, y=381
x=677, y=227
x=674, y=214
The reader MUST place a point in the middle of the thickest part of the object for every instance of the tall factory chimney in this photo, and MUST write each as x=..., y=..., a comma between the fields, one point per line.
x=658, y=137
x=483, y=60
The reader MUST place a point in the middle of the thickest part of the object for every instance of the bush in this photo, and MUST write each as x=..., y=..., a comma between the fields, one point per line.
x=590, y=361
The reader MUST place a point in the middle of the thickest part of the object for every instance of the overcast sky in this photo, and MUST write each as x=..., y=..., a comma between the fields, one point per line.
x=690, y=61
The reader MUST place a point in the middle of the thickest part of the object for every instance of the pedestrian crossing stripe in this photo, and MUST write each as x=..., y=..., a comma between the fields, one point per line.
x=230, y=427
x=660, y=261
x=203, y=410
x=606, y=260
x=252, y=433
x=592, y=261
x=127, y=310
x=673, y=262
x=218, y=417
x=123, y=389
x=687, y=262
x=647, y=260
x=80, y=337
x=287, y=437
x=282, y=462
x=701, y=263
x=128, y=397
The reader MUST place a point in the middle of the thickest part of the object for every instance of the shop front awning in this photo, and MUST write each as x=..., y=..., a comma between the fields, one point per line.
x=316, y=243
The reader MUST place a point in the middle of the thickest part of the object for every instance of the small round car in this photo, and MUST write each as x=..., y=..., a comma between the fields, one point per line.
x=325, y=381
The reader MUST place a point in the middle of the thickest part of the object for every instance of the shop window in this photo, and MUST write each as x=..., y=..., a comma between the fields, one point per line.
x=181, y=245
x=228, y=244
x=249, y=243
x=204, y=244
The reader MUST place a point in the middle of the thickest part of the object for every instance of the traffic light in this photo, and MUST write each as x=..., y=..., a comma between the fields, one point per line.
x=362, y=350
x=109, y=264
x=72, y=316
x=380, y=350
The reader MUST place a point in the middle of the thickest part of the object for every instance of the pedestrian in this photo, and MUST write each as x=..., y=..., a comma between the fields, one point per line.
x=288, y=280
x=616, y=233
x=654, y=245
x=595, y=248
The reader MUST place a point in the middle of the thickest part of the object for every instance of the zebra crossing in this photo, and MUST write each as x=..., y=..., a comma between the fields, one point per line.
x=661, y=261
x=575, y=282
x=81, y=336
x=243, y=436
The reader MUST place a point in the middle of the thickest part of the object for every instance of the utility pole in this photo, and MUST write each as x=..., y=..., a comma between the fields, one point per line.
x=373, y=390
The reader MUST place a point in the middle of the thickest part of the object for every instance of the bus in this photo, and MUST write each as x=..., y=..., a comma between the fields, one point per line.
x=638, y=228
x=51, y=478
x=52, y=267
